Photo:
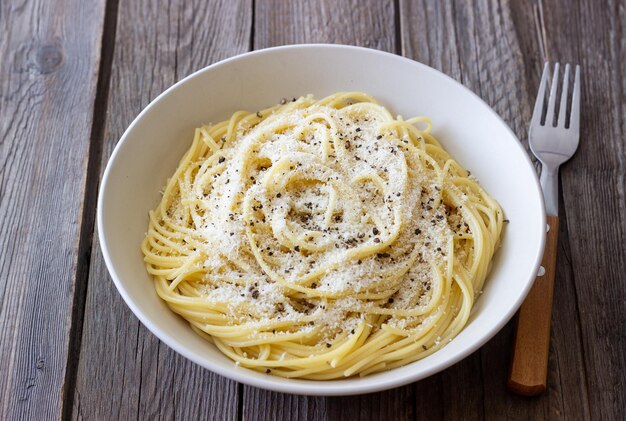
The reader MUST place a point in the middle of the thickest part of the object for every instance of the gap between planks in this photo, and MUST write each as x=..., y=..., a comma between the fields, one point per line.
x=89, y=203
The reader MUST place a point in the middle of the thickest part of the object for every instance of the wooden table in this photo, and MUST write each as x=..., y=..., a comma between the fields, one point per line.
x=75, y=73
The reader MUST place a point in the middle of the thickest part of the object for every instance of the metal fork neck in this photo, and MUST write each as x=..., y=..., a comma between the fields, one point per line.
x=550, y=185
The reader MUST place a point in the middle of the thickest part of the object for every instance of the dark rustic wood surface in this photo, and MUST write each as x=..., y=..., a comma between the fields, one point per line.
x=47, y=51
x=75, y=73
x=154, y=46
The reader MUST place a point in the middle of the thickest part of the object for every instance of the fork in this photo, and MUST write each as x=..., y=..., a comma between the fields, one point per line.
x=553, y=142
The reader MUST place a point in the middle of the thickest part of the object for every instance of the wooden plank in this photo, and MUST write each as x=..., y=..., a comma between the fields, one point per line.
x=428, y=35
x=593, y=182
x=364, y=23
x=124, y=371
x=47, y=49
x=493, y=49
x=394, y=405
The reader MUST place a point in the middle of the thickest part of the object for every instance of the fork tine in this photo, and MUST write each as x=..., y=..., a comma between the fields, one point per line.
x=563, y=105
x=574, y=119
x=552, y=99
x=541, y=95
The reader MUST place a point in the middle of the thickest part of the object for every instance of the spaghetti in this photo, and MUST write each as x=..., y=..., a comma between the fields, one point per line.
x=322, y=239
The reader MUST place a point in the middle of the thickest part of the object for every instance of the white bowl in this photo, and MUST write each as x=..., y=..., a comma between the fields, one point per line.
x=473, y=133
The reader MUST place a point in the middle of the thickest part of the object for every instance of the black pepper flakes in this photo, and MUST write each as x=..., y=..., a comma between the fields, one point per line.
x=221, y=159
x=255, y=293
x=418, y=231
x=268, y=371
x=375, y=231
x=258, y=114
x=297, y=248
x=279, y=195
x=424, y=347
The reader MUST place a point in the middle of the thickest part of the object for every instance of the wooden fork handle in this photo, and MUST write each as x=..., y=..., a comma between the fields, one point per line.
x=529, y=365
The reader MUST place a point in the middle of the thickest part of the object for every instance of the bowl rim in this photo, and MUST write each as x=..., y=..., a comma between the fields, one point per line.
x=301, y=386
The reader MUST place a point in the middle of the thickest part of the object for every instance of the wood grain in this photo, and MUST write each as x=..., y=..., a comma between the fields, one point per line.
x=493, y=48
x=593, y=183
x=46, y=50
x=531, y=346
x=70, y=83
x=364, y=23
x=396, y=404
x=428, y=35
x=124, y=371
